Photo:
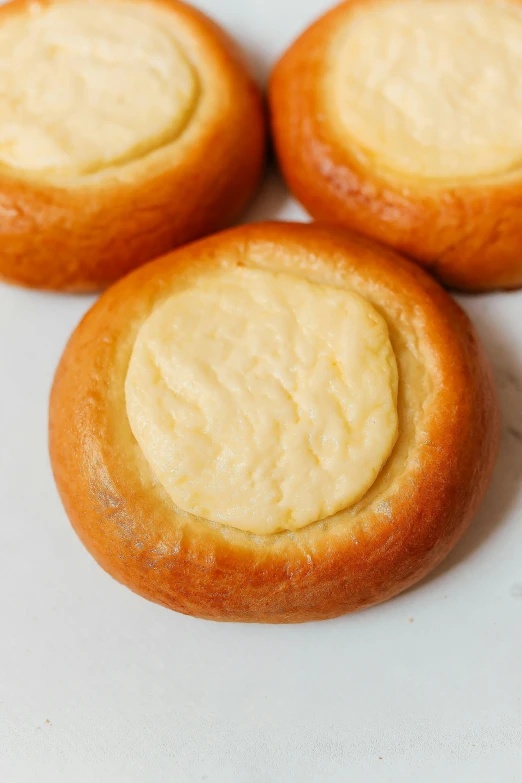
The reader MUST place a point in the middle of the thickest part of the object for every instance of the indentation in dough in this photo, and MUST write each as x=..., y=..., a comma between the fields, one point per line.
x=263, y=401
x=432, y=89
x=87, y=85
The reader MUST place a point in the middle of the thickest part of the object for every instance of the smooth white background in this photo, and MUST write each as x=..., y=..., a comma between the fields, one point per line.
x=99, y=685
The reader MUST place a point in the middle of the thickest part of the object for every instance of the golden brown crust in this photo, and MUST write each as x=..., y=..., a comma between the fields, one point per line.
x=83, y=235
x=419, y=506
x=468, y=235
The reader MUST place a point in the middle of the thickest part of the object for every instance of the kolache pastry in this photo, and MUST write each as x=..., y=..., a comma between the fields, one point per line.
x=402, y=120
x=127, y=127
x=278, y=423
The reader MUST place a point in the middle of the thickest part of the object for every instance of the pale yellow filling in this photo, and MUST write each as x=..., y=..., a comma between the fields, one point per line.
x=84, y=85
x=263, y=401
x=432, y=88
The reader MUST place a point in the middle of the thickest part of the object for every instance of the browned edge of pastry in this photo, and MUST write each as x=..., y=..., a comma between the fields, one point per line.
x=467, y=234
x=83, y=236
x=418, y=508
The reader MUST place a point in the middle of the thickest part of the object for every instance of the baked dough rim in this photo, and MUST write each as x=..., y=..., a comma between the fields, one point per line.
x=356, y=558
x=81, y=234
x=465, y=231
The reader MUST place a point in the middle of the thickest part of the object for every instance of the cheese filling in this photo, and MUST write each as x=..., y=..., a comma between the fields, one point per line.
x=431, y=88
x=263, y=401
x=86, y=85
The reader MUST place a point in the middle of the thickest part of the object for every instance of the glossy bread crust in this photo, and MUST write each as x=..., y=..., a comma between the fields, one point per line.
x=467, y=235
x=82, y=234
x=419, y=506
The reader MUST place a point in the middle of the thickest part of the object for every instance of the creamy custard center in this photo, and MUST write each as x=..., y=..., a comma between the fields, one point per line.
x=263, y=401
x=432, y=88
x=85, y=85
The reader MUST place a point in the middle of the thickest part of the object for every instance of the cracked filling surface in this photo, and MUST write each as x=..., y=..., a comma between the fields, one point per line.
x=84, y=86
x=263, y=401
x=431, y=88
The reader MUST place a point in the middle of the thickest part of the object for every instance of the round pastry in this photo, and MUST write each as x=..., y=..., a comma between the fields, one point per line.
x=127, y=127
x=278, y=423
x=402, y=119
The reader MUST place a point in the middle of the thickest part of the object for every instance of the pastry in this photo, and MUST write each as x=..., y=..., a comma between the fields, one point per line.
x=278, y=423
x=127, y=127
x=402, y=119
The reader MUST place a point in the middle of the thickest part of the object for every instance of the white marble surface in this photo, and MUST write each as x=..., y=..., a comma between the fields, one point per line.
x=96, y=684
